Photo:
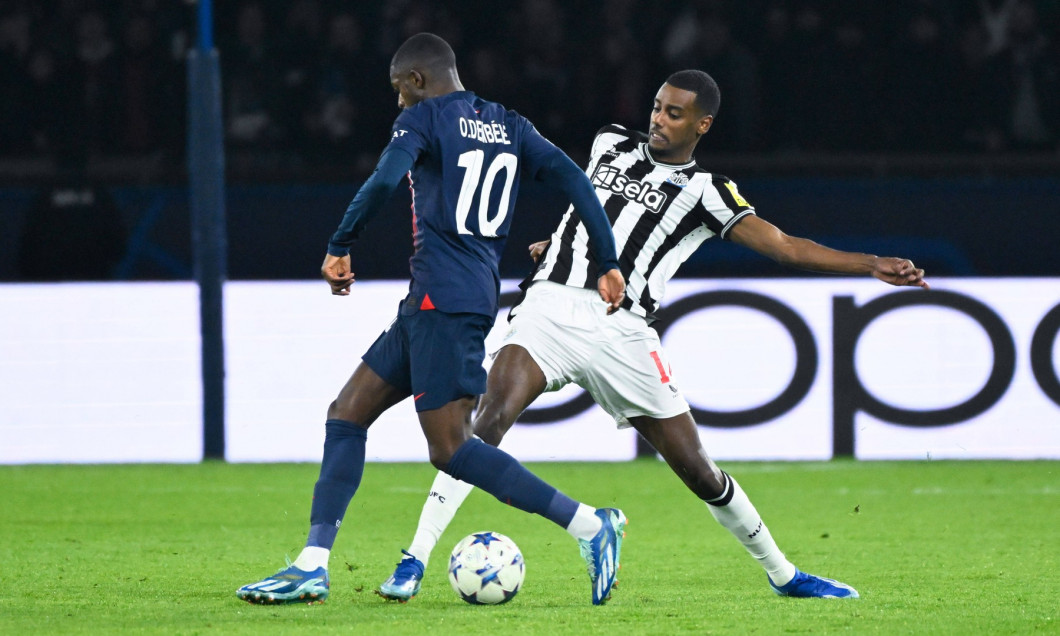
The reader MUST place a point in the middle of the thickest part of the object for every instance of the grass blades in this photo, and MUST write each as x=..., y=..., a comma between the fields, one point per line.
x=933, y=547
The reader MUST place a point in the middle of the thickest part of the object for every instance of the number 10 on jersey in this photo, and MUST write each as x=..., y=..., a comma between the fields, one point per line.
x=471, y=161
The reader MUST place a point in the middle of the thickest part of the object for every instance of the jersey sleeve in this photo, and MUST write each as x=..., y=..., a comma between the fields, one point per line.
x=369, y=201
x=610, y=135
x=412, y=131
x=723, y=206
x=408, y=140
x=538, y=153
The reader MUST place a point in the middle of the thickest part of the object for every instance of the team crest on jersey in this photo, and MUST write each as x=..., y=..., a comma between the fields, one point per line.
x=611, y=178
x=679, y=179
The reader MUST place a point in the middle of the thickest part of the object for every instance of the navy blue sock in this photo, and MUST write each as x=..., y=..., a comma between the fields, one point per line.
x=340, y=475
x=499, y=474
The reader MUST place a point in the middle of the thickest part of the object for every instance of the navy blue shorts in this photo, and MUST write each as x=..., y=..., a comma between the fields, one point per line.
x=434, y=356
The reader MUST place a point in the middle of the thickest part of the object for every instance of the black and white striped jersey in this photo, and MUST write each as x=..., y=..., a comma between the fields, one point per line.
x=659, y=213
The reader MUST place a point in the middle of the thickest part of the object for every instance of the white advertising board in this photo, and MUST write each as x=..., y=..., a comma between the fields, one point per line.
x=100, y=372
x=774, y=369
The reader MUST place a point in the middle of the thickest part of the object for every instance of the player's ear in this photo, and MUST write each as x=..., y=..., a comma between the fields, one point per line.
x=417, y=79
x=704, y=125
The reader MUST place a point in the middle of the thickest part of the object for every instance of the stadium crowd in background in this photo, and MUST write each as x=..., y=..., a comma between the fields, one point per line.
x=302, y=79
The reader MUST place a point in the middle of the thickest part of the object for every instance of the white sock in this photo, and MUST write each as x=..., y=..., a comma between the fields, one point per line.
x=585, y=523
x=741, y=519
x=311, y=558
x=447, y=494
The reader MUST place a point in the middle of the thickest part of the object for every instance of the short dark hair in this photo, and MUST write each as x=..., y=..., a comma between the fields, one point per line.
x=708, y=97
x=424, y=51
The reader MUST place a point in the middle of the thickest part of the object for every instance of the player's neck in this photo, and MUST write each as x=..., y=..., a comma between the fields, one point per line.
x=670, y=160
x=446, y=84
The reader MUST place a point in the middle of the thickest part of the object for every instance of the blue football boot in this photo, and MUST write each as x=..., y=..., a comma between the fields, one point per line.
x=290, y=585
x=810, y=586
x=404, y=583
x=601, y=553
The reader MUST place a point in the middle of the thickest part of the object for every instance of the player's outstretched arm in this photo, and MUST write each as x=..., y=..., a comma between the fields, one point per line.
x=369, y=201
x=767, y=239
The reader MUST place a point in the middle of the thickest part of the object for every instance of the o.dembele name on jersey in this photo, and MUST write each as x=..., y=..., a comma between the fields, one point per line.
x=491, y=133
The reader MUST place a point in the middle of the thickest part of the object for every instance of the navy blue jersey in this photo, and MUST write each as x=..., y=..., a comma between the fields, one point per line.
x=469, y=155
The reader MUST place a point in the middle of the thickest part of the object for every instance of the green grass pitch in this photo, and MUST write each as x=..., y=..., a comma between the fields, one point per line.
x=933, y=547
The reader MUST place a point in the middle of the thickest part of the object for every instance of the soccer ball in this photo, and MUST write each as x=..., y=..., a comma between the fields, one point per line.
x=486, y=568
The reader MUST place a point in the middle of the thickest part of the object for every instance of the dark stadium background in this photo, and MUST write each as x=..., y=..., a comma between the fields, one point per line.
x=922, y=128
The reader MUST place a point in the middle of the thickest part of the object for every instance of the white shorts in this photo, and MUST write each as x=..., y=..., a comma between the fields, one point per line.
x=618, y=359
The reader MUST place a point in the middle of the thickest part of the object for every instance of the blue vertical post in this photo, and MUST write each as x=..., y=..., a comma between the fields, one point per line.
x=206, y=181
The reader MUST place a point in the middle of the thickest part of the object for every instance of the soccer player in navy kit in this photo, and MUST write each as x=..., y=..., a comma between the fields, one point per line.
x=463, y=157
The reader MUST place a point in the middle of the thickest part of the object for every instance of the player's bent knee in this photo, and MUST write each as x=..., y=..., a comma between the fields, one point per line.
x=440, y=457
x=491, y=426
x=339, y=411
x=490, y=435
x=440, y=462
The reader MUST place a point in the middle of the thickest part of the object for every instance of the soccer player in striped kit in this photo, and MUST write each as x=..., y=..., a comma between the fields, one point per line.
x=662, y=207
x=463, y=157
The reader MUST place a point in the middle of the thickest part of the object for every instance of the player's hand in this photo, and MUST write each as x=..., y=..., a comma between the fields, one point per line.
x=338, y=272
x=899, y=271
x=537, y=249
x=612, y=288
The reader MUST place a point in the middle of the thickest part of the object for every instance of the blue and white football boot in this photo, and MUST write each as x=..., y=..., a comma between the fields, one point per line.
x=290, y=585
x=809, y=586
x=601, y=553
x=404, y=583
